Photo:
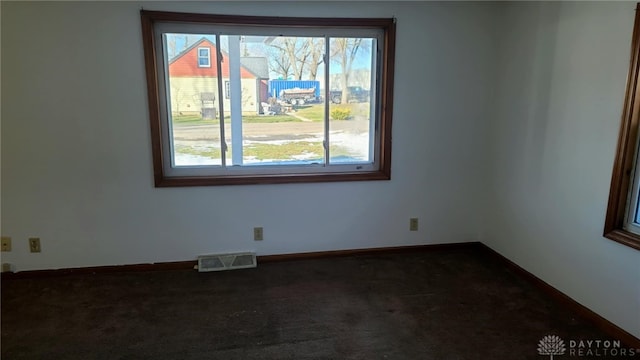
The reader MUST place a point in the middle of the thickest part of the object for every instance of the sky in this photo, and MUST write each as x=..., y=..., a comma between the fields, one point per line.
x=256, y=46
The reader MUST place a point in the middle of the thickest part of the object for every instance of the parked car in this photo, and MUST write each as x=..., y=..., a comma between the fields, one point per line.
x=354, y=94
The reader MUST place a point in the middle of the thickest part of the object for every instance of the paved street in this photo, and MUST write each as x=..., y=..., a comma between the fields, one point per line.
x=270, y=131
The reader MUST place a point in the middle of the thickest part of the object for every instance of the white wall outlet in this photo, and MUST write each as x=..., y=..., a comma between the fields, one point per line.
x=6, y=243
x=413, y=224
x=34, y=245
x=258, y=235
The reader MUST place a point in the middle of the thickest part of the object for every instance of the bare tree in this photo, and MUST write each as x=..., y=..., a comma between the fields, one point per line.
x=316, y=50
x=296, y=50
x=302, y=55
x=171, y=43
x=302, y=59
x=176, y=96
x=279, y=63
x=344, y=51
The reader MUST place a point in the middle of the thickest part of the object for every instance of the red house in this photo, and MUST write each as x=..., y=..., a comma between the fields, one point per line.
x=193, y=80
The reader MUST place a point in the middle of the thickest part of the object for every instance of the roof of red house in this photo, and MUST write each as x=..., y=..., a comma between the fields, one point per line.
x=186, y=63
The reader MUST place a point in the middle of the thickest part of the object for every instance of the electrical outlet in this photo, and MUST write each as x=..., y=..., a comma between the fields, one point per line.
x=413, y=224
x=6, y=243
x=34, y=245
x=6, y=267
x=257, y=234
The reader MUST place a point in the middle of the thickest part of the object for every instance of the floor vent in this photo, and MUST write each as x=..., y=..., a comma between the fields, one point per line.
x=226, y=261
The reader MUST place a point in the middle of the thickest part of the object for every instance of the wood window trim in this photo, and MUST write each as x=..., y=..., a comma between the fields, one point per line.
x=148, y=18
x=623, y=167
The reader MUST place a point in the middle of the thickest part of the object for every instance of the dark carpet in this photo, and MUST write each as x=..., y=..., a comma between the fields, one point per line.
x=447, y=304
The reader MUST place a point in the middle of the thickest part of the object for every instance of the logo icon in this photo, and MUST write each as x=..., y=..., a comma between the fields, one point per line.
x=551, y=345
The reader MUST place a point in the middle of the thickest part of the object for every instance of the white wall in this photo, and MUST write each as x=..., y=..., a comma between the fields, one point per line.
x=553, y=135
x=76, y=166
x=76, y=154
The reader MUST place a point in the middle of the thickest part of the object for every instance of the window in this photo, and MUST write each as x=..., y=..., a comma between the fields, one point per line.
x=305, y=99
x=204, y=60
x=622, y=223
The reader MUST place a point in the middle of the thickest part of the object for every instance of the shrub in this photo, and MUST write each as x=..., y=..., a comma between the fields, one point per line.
x=340, y=113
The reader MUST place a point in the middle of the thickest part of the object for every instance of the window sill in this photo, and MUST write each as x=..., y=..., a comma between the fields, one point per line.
x=624, y=237
x=175, y=181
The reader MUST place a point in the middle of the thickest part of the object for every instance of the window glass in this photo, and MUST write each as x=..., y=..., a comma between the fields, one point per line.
x=273, y=130
x=194, y=123
x=351, y=82
x=239, y=102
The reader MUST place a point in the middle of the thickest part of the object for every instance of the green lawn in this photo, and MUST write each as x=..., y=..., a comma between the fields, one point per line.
x=186, y=120
x=311, y=112
x=269, y=119
x=286, y=151
x=316, y=112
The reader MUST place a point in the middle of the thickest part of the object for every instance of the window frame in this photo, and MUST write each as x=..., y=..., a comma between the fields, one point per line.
x=626, y=171
x=293, y=174
x=208, y=57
